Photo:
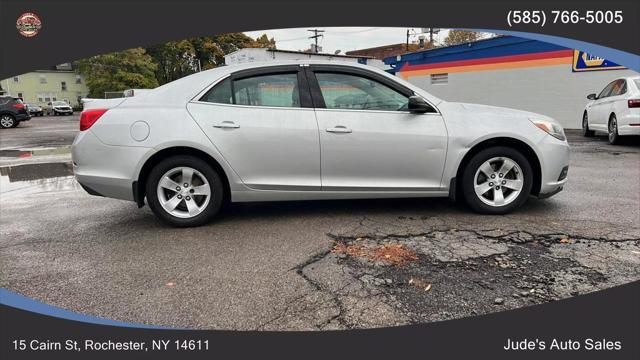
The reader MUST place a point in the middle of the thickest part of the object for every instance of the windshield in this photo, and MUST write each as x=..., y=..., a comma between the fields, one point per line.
x=59, y=103
x=637, y=81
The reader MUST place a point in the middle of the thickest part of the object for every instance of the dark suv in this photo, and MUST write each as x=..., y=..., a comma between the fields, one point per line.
x=12, y=111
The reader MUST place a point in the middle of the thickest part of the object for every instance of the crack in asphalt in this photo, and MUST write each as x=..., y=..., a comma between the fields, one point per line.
x=444, y=252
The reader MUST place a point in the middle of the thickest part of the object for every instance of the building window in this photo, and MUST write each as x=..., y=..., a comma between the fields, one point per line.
x=43, y=79
x=16, y=79
x=439, y=79
x=46, y=97
x=78, y=79
x=63, y=85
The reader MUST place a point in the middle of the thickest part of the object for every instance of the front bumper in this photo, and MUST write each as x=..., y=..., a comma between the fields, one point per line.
x=554, y=163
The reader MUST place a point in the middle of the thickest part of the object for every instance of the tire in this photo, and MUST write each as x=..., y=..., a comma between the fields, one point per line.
x=519, y=176
x=174, y=168
x=585, y=126
x=8, y=121
x=613, y=136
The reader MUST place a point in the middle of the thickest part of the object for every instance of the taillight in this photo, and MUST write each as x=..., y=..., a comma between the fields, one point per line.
x=18, y=106
x=89, y=117
x=633, y=103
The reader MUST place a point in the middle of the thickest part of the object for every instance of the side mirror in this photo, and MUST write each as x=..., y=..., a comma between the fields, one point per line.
x=592, y=96
x=417, y=105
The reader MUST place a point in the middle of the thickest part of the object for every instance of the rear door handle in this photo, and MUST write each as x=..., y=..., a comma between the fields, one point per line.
x=227, y=125
x=339, y=129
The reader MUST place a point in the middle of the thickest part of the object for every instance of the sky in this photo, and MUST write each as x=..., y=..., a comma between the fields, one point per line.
x=341, y=38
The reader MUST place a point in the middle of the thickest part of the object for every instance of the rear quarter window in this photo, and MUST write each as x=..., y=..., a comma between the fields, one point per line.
x=220, y=94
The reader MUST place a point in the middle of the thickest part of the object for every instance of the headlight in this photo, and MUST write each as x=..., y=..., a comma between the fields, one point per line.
x=550, y=128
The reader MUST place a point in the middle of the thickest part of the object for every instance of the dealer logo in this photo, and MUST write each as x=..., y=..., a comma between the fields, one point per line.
x=28, y=24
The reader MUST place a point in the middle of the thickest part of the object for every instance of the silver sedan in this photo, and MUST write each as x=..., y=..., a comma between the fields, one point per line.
x=309, y=131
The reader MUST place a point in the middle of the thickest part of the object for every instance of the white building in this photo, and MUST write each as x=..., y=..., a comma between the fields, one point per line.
x=263, y=54
x=511, y=72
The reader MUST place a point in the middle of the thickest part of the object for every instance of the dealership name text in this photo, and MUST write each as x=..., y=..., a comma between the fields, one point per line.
x=563, y=345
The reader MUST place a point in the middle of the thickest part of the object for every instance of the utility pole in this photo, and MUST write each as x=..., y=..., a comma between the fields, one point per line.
x=407, y=40
x=315, y=36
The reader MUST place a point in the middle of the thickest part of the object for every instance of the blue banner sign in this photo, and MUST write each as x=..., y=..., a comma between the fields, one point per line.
x=587, y=62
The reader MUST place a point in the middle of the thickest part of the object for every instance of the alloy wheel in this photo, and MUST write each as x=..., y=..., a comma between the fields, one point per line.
x=7, y=121
x=184, y=192
x=613, y=129
x=498, y=181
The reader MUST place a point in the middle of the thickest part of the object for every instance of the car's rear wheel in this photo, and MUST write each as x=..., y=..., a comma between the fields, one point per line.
x=184, y=191
x=585, y=126
x=614, y=138
x=8, y=121
x=497, y=180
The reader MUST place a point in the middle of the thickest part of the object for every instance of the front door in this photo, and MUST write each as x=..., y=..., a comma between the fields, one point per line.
x=369, y=140
x=597, y=110
x=263, y=123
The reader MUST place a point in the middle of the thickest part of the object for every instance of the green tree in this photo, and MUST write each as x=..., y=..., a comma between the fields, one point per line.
x=176, y=59
x=118, y=71
x=456, y=37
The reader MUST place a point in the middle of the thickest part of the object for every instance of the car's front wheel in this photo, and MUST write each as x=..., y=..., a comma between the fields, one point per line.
x=8, y=121
x=184, y=191
x=497, y=180
x=585, y=126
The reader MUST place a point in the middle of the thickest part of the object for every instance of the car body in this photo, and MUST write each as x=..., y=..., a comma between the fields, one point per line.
x=615, y=110
x=34, y=110
x=12, y=112
x=287, y=131
x=59, y=108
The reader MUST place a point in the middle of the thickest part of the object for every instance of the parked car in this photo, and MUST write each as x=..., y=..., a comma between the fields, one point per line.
x=12, y=112
x=615, y=110
x=281, y=131
x=59, y=108
x=34, y=110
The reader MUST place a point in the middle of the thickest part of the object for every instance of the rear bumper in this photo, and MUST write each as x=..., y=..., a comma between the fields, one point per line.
x=23, y=117
x=629, y=130
x=105, y=170
x=629, y=124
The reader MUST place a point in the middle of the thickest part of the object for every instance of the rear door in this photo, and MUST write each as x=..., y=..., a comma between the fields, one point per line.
x=368, y=138
x=262, y=122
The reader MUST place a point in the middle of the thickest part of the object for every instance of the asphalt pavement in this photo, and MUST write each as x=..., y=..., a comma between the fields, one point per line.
x=309, y=265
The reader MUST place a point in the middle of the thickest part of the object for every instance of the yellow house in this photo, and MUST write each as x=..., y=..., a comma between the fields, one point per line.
x=42, y=86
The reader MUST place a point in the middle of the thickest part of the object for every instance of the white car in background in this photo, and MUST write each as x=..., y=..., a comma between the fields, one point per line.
x=616, y=110
x=59, y=108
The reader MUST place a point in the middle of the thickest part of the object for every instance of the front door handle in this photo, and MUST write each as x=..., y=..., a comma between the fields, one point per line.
x=339, y=129
x=227, y=125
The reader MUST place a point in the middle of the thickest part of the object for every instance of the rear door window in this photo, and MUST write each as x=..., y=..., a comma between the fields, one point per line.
x=279, y=90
